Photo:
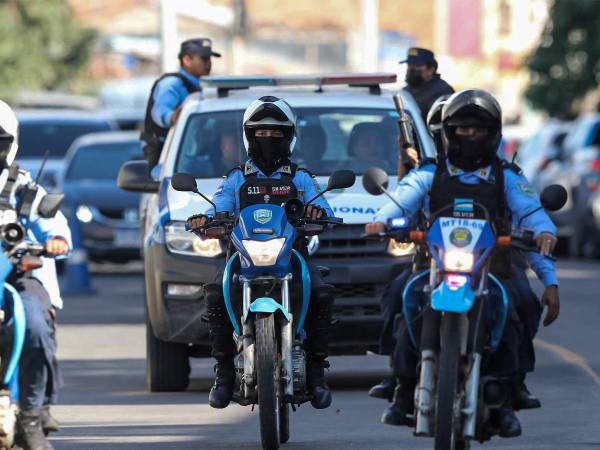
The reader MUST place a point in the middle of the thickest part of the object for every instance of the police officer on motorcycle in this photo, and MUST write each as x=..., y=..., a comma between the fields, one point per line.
x=38, y=373
x=471, y=169
x=390, y=305
x=268, y=176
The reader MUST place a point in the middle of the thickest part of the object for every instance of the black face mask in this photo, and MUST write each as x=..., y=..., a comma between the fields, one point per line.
x=5, y=145
x=269, y=153
x=471, y=153
x=414, y=78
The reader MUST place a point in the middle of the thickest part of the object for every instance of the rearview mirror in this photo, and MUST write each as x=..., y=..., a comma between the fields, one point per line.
x=554, y=197
x=184, y=182
x=341, y=179
x=375, y=181
x=49, y=205
x=134, y=176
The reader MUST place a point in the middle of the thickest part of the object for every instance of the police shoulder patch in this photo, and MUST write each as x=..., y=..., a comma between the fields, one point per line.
x=526, y=189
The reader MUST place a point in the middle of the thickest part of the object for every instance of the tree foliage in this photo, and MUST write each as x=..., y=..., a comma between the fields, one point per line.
x=566, y=65
x=41, y=46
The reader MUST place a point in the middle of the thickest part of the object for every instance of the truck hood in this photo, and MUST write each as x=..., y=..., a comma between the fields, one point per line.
x=99, y=193
x=354, y=205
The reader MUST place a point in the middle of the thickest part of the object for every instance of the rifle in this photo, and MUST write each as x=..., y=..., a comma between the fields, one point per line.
x=405, y=130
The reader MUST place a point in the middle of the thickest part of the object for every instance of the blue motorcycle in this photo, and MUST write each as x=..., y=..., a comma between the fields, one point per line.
x=462, y=322
x=18, y=256
x=268, y=322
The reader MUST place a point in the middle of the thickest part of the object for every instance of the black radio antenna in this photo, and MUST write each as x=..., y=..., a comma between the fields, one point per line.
x=41, y=169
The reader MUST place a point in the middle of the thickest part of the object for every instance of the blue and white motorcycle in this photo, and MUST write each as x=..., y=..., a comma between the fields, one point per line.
x=461, y=322
x=268, y=322
x=18, y=256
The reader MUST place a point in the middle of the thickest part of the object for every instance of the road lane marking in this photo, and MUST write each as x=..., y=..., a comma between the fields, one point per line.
x=570, y=357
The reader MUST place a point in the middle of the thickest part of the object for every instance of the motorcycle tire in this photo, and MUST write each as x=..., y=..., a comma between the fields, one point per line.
x=268, y=380
x=445, y=436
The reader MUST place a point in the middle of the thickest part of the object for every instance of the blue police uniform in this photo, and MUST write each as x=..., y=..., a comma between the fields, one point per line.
x=38, y=371
x=169, y=94
x=227, y=197
x=521, y=199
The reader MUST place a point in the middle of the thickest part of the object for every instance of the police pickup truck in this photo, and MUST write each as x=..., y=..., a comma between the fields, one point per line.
x=344, y=122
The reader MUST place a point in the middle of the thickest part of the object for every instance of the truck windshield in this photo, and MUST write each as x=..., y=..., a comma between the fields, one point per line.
x=329, y=139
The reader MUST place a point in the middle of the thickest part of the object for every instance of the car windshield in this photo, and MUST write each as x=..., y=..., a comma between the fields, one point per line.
x=102, y=161
x=37, y=137
x=329, y=139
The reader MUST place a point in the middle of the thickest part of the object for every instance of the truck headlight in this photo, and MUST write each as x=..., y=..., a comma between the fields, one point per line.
x=396, y=248
x=458, y=261
x=84, y=214
x=184, y=242
x=264, y=253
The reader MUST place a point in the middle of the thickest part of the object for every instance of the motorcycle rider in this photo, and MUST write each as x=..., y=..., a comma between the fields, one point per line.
x=471, y=132
x=268, y=176
x=38, y=371
x=390, y=306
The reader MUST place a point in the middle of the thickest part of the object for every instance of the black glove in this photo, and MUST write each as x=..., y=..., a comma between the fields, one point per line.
x=315, y=212
x=196, y=222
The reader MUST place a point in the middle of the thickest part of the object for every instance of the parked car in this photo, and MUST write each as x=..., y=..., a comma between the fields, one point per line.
x=339, y=127
x=53, y=131
x=126, y=100
x=107, y=216
x=578, y=169
x=541, y=151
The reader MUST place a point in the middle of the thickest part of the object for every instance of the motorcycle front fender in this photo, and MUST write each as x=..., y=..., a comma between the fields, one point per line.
x=267, y=305
x=458, y=300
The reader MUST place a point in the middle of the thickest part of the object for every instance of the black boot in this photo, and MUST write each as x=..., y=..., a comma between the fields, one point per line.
x=317, y=385
x=221, y=338
x=30, y=435
x=385, y=389
x=508, y=423
x=522, y=398
x=317, y=345
x=403, y=404
x=49, y=423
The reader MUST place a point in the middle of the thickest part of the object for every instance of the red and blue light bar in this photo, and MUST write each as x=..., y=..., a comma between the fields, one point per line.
x=243, y=82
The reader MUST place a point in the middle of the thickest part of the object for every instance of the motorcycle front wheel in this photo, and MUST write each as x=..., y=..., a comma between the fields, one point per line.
x=445, y=420
x=268, y=380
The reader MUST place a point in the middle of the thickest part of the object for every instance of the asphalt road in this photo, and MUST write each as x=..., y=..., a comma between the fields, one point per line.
x=104, y=403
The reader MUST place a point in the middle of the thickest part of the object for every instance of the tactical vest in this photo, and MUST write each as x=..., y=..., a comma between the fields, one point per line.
x=271, y=191
x=446, y=188
x=153, y=134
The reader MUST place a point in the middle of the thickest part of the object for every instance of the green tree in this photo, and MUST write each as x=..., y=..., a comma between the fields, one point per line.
x=41, y=46
x=566, y=65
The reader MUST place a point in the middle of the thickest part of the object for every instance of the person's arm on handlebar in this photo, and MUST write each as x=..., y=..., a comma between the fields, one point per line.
x=309, y=185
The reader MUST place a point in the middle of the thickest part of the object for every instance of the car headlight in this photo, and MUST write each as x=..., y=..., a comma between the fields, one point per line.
x=396, y=248
x=84, y=214
x=264, y=253
x=458, y=261
x=179, y=240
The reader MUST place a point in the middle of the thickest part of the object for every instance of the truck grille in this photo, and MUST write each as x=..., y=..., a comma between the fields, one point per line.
x=356, y=290
x=346, y=242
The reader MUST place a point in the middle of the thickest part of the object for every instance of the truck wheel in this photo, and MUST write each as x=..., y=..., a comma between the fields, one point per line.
x=267, y=372
x=167, y=364
x=445, y=421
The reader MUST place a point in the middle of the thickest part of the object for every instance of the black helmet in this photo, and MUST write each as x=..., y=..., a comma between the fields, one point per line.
x=434, y=121
x=471, y=108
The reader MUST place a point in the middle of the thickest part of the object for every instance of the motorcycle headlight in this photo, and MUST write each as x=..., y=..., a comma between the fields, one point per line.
x=184, y=242
x=84, y=214
x=458, y=261
x=264, y=253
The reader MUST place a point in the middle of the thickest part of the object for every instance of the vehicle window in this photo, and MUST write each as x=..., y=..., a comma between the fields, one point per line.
x=35, y=138
x=102, y=161
x=329, y=139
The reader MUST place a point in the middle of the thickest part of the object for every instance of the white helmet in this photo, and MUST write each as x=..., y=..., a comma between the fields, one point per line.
x=9, y=127
x=270, y=113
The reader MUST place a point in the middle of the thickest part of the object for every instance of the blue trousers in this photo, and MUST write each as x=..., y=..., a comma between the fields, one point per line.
x=38, y=371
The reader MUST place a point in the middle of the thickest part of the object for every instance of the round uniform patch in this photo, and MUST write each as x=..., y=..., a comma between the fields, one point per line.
x=461, y=237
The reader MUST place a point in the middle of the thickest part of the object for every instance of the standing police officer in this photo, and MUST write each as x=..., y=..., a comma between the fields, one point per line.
x=170, y=91
x=422, y=80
